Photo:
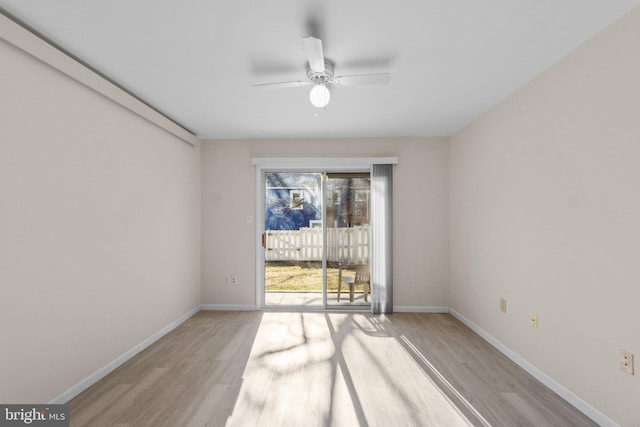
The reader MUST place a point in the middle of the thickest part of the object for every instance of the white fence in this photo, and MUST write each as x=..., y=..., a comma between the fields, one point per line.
x=343, y=244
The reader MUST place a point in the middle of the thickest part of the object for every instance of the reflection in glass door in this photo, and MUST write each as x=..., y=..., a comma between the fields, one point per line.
x=348, y=218
x=293, y=239
x=308, y=261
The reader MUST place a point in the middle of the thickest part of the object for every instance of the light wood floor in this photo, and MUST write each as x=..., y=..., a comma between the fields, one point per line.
x=321, y=369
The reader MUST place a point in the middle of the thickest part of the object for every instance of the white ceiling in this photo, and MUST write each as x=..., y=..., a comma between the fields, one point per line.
x=197, y=60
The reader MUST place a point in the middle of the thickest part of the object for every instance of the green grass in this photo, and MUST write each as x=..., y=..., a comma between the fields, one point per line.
x=302, y=277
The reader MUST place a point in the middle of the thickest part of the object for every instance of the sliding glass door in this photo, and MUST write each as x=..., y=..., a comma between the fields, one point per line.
x=316, y=239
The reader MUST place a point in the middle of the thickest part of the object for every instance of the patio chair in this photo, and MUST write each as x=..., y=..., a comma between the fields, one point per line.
x=361, y=277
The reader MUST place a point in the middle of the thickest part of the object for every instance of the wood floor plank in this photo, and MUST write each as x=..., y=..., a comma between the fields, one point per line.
x=321, y=369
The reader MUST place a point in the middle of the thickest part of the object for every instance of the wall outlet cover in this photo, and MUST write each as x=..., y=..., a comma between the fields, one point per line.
x=626, y=362
x=534, y=320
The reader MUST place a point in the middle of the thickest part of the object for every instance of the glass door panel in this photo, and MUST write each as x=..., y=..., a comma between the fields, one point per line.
x=348, y=217
x=293, y=239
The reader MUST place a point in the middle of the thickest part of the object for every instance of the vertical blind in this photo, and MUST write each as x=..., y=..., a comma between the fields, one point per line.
x=381, y=239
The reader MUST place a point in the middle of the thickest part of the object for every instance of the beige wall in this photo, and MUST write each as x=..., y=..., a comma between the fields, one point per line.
x=420, y=213
x=545, y=211
x=99, y=230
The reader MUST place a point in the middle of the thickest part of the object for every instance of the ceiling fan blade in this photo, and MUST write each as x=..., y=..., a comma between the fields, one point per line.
x=362, y=79
x=282, y=85
x=313, y=48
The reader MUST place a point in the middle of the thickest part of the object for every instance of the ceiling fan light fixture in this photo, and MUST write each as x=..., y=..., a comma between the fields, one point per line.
x=319, y=96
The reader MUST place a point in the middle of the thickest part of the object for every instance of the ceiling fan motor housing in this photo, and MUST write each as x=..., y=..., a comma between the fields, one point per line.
x=321, y=78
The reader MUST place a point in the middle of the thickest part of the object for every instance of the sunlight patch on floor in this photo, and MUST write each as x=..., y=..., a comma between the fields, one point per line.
x=336, y=369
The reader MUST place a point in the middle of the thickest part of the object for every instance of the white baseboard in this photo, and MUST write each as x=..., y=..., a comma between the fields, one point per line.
x=69, y=394
x=240, y=307
x=228, y=307
x=545, y=379
x=420, y=309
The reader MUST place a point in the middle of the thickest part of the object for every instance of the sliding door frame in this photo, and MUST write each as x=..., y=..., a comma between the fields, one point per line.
x=306, y=164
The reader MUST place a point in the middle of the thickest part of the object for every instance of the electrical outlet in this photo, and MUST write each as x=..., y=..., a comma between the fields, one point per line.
x=626, y=362
x=234, y=280
x=503, y=305
x=533, y=320
x=227, y=280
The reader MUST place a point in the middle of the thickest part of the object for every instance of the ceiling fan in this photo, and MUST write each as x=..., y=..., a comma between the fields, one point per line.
x=320, y=74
